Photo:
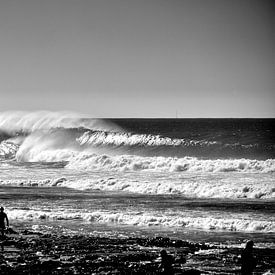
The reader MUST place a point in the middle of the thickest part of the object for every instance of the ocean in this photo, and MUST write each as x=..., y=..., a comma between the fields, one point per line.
x=210, y=180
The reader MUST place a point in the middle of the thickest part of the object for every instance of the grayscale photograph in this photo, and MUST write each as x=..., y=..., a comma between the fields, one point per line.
x=137, y=137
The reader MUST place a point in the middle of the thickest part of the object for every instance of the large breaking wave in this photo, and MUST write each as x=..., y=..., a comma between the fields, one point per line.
x=95, y=144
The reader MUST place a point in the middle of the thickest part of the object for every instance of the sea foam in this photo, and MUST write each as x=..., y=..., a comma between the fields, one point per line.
x=202, y=186
x=168, y=164
x=238, y=224
x=8, y=149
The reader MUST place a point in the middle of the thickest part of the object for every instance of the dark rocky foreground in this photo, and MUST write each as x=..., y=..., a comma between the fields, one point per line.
x=36, y=253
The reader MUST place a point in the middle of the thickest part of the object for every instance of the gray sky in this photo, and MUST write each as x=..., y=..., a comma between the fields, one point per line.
x=138, y=58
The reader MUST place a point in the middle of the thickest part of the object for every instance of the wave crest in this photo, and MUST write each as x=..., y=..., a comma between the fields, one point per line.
x=129, y=139
x=16, y=121
x=49, y=136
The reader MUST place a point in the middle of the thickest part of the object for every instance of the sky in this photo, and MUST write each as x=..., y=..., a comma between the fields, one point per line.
x=138, y=58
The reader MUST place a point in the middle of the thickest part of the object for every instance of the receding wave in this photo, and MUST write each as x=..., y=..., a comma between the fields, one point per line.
x=149, y=219
x=201, y=186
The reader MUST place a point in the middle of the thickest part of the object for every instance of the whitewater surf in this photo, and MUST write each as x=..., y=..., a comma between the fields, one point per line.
x=175, y=176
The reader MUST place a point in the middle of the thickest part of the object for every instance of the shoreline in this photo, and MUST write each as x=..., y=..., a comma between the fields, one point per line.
x=31, y=252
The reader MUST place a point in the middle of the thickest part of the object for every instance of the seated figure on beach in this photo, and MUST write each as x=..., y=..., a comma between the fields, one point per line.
x=166, y=263
x=3, y=218
x=248, y=261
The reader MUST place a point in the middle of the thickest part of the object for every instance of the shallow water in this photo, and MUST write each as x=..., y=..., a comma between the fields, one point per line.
x=72, y=211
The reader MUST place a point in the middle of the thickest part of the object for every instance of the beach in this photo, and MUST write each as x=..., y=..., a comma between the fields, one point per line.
x=137, y=137
x=31, y=252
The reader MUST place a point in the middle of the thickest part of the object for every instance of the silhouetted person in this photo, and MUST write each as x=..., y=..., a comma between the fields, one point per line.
x=166, y=263
x=248, y=261
x=3, y=218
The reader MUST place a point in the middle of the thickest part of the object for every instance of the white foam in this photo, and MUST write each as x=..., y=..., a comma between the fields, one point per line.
x=148, y=219
x=48, y=182
x=202, y=187
x=61, y=146
x=168, y=164
x=128, y=139
x=8, y=149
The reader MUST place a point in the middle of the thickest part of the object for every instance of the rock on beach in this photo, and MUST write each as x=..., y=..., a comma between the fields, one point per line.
x=36, y=253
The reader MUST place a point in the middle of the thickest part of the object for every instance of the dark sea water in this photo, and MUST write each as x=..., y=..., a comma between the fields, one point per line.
x=209, y=138
x=204, y=179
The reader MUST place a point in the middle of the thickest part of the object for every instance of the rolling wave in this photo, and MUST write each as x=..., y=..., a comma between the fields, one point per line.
x=42, y=145
x=157, y=145
x=43, y=149
x=129, y=139
x=48, y=136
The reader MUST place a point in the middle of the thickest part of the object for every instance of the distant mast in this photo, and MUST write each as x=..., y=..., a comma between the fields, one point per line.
x=176, y=114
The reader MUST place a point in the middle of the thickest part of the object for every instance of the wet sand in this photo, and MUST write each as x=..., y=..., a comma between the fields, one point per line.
x=36, y=253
